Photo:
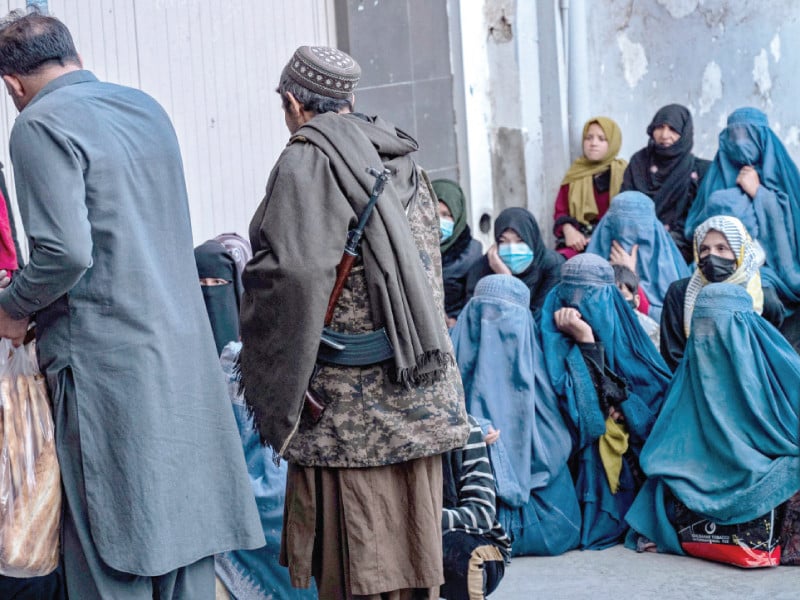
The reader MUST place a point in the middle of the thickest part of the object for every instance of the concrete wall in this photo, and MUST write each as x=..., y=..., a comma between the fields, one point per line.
x=533, y=76
x=214, y=67
x=403, y=47
x=710, y=55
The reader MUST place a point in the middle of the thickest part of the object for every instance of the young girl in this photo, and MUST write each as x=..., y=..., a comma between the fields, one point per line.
x=587, y=188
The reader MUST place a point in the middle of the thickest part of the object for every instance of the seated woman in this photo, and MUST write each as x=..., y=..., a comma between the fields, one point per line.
x=752, y=159
x=505, y=382
x=725, y=445
x=587, y=188
x=630, y=223
x=610, y=382
x=724, y=252
x=459, y=249
x=519, y=251
x=667, y=171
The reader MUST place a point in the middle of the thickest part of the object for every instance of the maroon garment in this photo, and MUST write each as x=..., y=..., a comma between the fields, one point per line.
x=8, y=255
x=602, y=199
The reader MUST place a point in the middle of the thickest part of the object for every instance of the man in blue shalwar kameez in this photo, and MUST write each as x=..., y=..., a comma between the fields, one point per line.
x=153, y=472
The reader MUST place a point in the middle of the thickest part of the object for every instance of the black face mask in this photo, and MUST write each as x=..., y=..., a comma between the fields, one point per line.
x=716, y=268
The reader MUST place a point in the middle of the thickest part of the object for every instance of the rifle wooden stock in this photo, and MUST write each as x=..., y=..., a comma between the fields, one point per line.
x=313, y=405
x=342, y=273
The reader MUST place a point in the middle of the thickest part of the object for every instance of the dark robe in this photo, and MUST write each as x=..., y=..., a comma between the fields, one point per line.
x=671, y=175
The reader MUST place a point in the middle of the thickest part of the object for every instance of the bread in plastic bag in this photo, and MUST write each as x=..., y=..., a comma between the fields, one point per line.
x=30, y=480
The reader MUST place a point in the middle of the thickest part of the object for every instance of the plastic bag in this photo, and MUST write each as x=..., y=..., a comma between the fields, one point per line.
x=30, y=480
x=751, y=544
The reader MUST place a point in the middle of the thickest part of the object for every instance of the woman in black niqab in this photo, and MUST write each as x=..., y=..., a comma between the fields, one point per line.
x=222, y=291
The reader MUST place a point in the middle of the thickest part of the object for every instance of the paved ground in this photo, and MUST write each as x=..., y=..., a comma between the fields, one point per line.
x=622, y=574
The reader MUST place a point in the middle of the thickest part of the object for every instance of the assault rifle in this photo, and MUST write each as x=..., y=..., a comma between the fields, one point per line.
x=349, y=349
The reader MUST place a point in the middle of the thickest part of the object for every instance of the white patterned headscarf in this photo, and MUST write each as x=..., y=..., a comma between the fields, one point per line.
x=749, y=257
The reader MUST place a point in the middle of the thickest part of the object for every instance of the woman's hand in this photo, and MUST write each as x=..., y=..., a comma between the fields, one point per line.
x=618, y=256
x=616, y=414
x=496, y=263
x=569, y=322
x=492, y=436
x=748, y=180
x=573, y=238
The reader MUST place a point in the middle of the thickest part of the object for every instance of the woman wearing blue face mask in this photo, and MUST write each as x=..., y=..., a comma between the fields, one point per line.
x=459, y=249
x=519, y=251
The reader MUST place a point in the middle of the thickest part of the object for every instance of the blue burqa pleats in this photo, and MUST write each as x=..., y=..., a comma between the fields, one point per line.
x=256, y=574
x=775, y=209
x=505, y=382
x=631, y=219
x=587, y=284
x=726, y=442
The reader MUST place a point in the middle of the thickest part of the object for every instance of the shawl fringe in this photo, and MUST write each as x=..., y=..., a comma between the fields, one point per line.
x=430, y=366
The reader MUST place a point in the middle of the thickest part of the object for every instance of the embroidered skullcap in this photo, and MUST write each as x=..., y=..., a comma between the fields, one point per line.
x=504, y=287
x=323, y=70
x=587, y=269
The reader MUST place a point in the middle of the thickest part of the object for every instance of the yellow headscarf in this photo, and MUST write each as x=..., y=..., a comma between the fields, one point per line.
x=582, y=205
x=612, y=445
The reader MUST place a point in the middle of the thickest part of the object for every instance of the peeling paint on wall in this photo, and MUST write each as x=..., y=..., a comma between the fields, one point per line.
x=634, y=60
x=792, y=137
x=761, y=75
x=775, y=47
x=711, y=87
x=679, y=8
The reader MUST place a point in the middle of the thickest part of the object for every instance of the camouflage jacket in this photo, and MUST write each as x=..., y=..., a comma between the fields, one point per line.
x=369, y=420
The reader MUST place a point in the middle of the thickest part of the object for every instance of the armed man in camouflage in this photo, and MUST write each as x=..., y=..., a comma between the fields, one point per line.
x=364, y=490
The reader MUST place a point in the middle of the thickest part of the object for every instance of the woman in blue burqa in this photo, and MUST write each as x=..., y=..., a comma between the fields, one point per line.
x=610, y=381
x=631, y=234
x=754, y=179
x=256, y=574
x=505, y=383
x=726, y=442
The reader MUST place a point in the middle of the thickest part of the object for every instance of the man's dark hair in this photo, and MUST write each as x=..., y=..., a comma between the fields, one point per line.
x=310, y=101
x=626, y=277
x=29, y=40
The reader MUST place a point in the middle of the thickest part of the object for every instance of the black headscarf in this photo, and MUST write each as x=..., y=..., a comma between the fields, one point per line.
x=669, y=184
x=222, y=301
x=524, y=223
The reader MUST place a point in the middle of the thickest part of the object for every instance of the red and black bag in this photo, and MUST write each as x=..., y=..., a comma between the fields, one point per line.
x=749, y=545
